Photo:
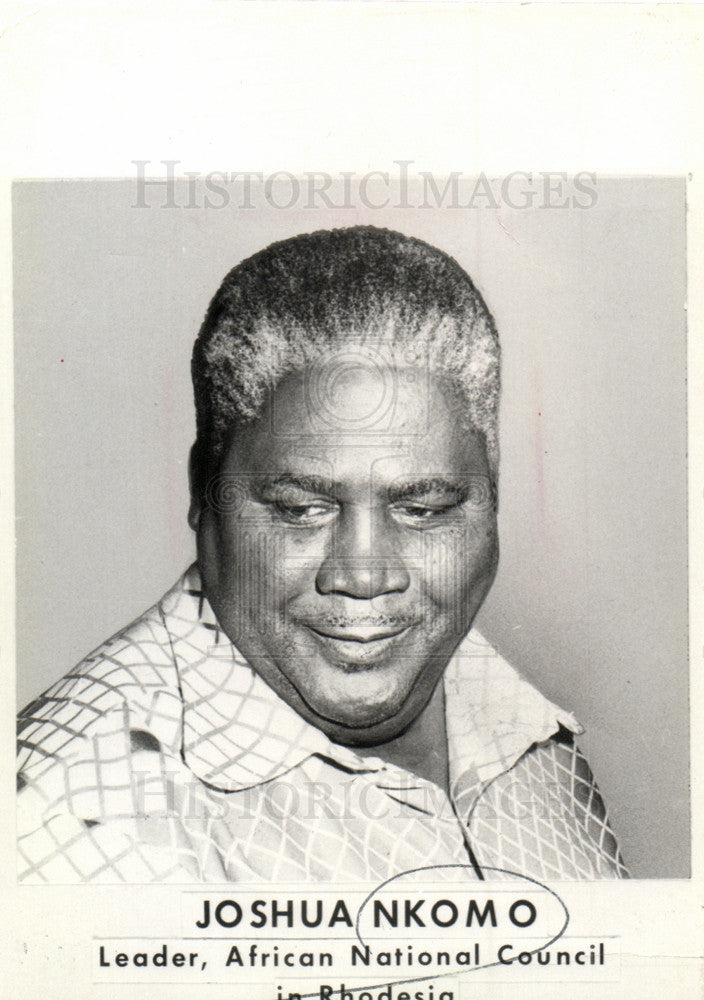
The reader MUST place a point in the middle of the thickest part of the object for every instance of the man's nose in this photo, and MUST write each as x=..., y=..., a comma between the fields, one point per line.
x=363, y=559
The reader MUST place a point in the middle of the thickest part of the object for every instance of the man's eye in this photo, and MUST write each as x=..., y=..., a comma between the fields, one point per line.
x=422, y=512
x=303, y=513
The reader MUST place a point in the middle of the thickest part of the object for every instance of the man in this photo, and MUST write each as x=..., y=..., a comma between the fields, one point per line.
x=310, y=701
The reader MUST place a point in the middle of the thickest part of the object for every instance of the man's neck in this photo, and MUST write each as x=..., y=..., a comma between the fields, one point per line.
x=422, y=748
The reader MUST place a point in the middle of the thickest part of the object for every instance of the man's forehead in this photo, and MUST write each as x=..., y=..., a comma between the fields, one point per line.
x=363, y=388
x=366, y=424
x=355, y=400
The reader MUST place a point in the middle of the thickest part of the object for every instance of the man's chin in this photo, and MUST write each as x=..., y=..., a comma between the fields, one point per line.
x=365, y=725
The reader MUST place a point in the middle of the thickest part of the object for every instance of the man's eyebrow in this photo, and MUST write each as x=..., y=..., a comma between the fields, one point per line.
x=289, y=480
x=410, y=489
x=415, y=488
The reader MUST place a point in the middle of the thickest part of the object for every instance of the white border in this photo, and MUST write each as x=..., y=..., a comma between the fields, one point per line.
x=343, y=86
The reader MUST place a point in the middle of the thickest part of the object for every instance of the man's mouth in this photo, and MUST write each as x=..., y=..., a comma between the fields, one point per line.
x=359, y=632
x=358, y=646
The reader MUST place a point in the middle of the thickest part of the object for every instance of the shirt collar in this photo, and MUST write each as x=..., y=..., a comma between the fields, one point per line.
x=238, y=733
x=493, y=715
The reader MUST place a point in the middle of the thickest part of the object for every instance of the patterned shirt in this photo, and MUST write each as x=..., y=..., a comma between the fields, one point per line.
x=163, y=757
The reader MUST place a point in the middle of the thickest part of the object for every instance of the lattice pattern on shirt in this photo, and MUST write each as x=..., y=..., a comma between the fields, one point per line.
x=546, y=816
x=164, y=757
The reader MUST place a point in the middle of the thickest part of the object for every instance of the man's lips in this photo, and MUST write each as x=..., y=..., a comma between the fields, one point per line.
x=358, y=646
x=358, y=633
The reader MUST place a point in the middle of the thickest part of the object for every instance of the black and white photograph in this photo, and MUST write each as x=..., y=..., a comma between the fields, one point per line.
x=353, y=494
x=348, y=681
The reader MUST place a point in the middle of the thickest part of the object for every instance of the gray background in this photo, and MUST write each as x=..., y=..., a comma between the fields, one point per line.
x=590, y=601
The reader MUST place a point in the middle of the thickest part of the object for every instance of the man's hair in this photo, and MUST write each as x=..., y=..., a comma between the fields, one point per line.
x=296, y=302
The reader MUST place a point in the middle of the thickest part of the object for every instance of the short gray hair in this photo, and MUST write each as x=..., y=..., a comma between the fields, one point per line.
x=293, y=303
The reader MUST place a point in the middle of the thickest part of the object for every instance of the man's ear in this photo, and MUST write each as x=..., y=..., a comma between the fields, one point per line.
x=195, y=483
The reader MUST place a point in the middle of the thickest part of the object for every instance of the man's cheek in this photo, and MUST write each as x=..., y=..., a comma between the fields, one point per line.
x=479, y=549
x=276, y=584
x=455, y=585
x=297, y=561
x=448, y=565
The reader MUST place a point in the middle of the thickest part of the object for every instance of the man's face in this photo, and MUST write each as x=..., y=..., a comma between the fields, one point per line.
x=348, y=541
